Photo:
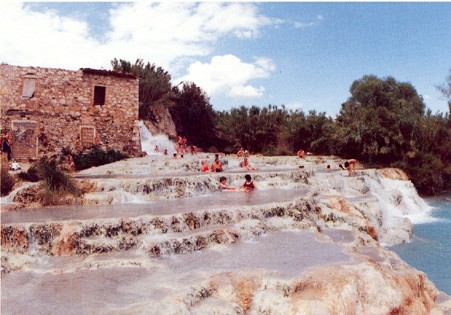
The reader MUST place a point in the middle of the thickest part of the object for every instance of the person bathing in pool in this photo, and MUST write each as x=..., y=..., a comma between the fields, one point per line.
x=248, y=184
x=224, y=186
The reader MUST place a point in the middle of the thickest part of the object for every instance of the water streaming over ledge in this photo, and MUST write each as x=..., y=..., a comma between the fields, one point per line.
x=256, y=233
x=149, y=141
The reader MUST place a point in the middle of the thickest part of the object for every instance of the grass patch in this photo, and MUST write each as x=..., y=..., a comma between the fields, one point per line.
x=55, y=179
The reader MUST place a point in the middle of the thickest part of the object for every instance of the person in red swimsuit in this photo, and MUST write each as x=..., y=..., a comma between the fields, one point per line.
x=204, y=167
x=248, y=185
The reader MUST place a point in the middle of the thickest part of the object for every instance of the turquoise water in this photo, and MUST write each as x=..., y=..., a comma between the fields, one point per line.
x=430, y=249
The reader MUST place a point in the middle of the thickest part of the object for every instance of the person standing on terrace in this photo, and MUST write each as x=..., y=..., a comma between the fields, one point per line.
x=179, y=146
x=6, y=147
x=350, y=166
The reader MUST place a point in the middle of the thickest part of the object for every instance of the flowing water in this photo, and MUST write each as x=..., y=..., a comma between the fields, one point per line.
x=158, y=207
x=149, y=141
x=131, y=281
x=430, y=248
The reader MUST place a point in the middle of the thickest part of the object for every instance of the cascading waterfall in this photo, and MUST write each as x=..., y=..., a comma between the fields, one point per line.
x=149, y=141
x=405, y=197
x=399, y=199
x=9, y=198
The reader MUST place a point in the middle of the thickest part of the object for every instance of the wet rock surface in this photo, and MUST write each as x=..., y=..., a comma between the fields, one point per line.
x=197, y=250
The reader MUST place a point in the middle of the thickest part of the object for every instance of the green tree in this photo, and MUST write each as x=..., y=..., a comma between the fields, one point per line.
x=312, y=132
x=193, y=115
x=384, y=122
x=154, y=84
x=256, y=129
x=445, y=89
x=378, y=121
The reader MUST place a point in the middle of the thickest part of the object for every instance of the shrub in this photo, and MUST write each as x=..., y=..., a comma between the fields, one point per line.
x=269, y=150
x=276, y=150
x=95, y=157
x=7, y=182
x=31, y=175
x=55, y=179
x=427, y=173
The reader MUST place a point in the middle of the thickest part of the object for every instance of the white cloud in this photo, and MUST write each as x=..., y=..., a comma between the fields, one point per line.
x=164, y=33
x=229, y=75
x=316, y=21
x=246, y=91
x=33, y=38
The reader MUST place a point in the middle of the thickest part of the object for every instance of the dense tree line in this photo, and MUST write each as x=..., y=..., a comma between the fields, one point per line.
x=383, y=123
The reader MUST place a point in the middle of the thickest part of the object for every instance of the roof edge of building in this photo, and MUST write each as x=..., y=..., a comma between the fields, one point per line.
x=108, y=73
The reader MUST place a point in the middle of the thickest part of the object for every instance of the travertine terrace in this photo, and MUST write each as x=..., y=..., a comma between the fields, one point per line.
x=155, y=236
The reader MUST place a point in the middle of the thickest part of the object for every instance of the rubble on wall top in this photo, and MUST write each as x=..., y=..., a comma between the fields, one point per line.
x=108, y=73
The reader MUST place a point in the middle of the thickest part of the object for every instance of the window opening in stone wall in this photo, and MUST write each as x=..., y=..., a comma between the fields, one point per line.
x=29, y=86
x=99, y=95
x=87, y=136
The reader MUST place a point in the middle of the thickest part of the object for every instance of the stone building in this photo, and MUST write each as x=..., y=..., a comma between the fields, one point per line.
x=46, y=110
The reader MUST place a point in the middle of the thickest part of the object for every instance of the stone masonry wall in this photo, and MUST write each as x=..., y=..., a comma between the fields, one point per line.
x=63, y=105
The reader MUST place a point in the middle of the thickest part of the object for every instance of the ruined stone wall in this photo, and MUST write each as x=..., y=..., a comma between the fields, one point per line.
x=62, y=105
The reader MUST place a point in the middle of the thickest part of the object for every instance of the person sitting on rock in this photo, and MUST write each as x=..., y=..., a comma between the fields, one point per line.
x=204, y=167
x=70, y=163
x=350, y=166
x=248, y=184
x=223, y=185
x=300, y=154
x=245, y=164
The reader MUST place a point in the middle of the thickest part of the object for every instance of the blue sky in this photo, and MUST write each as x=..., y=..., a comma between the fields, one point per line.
x=302, y=55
